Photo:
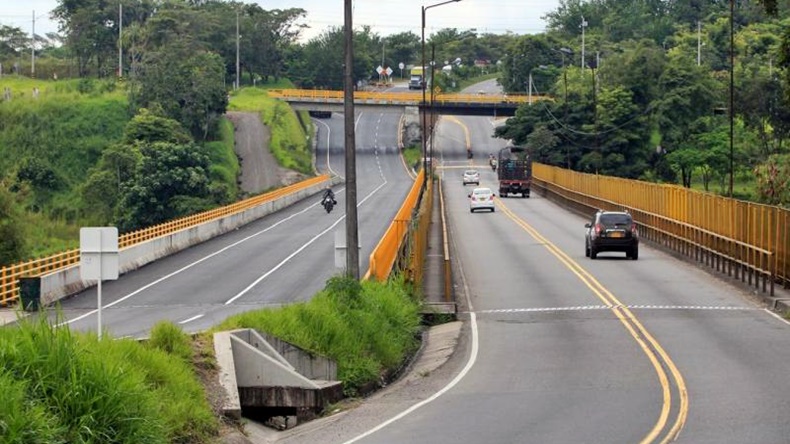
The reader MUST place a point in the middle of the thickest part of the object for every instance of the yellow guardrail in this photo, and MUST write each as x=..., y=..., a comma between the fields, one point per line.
x=746, y=240
x=9, y=275
x=384, y=255
x=401, y=97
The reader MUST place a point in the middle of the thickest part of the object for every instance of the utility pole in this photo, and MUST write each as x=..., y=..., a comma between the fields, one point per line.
x=699, y=42
x=33, y=48
x=352, y=232
x=583, y=25
x=236, y=86
x=120, y=36
x=732, y=94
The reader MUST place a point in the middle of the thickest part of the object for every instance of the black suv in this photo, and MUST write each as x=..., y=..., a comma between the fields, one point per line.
x=611, y=231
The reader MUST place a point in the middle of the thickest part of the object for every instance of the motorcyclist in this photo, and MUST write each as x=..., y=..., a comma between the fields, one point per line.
x=329, y=194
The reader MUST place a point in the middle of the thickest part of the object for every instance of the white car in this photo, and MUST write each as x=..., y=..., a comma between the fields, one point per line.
x=471, y=176
x=481, y=199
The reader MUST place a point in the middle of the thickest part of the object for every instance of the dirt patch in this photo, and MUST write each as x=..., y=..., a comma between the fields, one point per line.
x=259, y=168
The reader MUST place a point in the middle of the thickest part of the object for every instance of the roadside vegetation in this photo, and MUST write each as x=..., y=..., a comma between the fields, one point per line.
x=368, y=328
x=291, y=131
x=60, y=386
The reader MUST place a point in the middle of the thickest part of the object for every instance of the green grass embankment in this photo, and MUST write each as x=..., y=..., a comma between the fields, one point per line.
x=58, y=386
x=65, y=129
x=290, y=143
x=225, y=167
x=368, y=328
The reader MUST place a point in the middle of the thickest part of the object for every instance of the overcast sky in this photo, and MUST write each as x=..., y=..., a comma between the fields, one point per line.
x=384, y=16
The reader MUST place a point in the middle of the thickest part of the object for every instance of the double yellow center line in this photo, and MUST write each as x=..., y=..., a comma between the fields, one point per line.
x=662, y=430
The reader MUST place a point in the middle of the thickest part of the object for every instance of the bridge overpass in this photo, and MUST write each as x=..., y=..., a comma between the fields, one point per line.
x=443, y=103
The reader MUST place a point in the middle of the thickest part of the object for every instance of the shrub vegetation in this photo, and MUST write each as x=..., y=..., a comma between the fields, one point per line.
x=368, y=328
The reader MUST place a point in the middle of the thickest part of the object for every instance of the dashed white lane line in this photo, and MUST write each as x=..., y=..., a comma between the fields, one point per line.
x=193, y=318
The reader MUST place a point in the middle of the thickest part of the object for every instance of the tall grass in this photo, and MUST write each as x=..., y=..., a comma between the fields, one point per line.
x=367, y=328
x=75, y=388
x=289, y=143
x=225, y=168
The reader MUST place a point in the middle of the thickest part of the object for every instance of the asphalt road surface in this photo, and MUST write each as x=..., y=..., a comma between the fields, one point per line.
x=559, y=348
x=282, y=258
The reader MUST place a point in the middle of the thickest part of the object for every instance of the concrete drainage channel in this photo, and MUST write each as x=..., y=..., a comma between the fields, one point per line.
x=271, y=381
x=279, y=385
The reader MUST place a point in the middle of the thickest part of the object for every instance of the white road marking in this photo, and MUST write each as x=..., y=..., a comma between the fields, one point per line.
x=469, y=364
x=187, y=267
x=610, y=307
x=193, y=318
x=299, y=250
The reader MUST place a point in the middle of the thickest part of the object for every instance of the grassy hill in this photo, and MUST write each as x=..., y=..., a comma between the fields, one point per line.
x=52, y=133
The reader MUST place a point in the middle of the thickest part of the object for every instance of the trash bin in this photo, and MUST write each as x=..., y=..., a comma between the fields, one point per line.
x=30, y=293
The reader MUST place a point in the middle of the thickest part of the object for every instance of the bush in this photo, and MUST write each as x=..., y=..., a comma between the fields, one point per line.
x=76, y=388
x=169, y=338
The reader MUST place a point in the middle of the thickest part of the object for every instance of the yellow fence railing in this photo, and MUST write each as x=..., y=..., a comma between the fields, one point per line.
x=383, y=257
x=744, y=239
x=9, y=275
x=401, y=97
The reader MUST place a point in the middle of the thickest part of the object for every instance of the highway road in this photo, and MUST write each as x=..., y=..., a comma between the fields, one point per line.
x=282, y=258
x=561, y=349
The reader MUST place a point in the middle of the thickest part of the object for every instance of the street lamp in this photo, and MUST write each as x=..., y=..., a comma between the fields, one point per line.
x=424, y=125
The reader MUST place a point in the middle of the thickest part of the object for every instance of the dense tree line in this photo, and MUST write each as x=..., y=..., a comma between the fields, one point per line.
x=650, y=99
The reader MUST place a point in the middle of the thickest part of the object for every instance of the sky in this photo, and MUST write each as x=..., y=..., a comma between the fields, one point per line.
x=383, y=16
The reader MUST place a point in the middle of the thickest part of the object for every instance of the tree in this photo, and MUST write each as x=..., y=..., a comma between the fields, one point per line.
x=147, y=126
x=189, y=87
x=13, y=246
x=403, y=48
x=543, y=145
x=13, y=41
x=687, y=93
x=91, y=28
x=171, y=181
x=773, y=180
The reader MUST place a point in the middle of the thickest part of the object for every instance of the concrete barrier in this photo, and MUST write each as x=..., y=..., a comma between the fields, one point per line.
x=65, y=282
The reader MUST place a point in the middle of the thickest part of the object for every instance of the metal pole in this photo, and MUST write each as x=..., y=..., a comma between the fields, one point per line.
x=352, y=233
x=236, y=86
x=699, y=42
x=422, y=105
x=732, y=93
x=33, y=48
x=584, y=25
x=433, y=117
x=120, y=36
x=529, y=87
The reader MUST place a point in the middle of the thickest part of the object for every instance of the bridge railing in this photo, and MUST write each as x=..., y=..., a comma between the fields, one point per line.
x=384, y=256
x=379, y=97
x=746, y=240
x=9, y=275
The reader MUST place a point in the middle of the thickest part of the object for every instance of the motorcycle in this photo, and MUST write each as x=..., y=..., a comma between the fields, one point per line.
x=328, y=203
x=492, y=162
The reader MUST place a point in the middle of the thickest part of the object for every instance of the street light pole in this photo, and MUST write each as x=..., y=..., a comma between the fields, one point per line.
x=237, y=50
x=732, y=92
x=352, y=229
x=583, y=25
x=424, y=85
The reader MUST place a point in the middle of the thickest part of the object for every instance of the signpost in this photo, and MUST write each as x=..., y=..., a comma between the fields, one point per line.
x=401, y=66
x=99, y=258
